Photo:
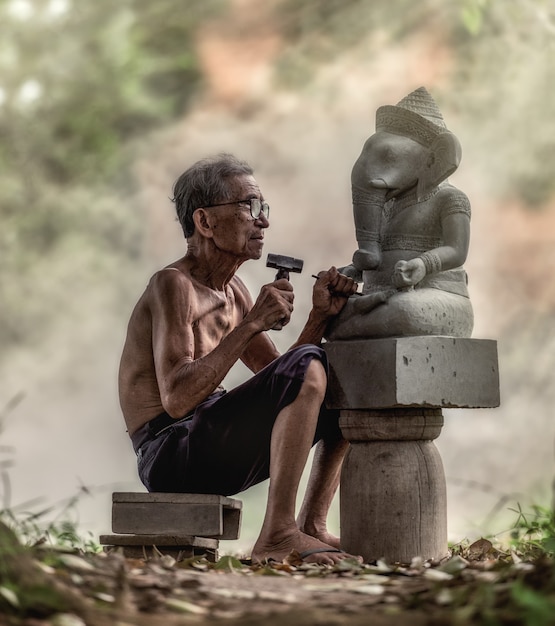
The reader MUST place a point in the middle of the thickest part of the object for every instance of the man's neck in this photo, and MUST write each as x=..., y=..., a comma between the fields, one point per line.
x=210, y=266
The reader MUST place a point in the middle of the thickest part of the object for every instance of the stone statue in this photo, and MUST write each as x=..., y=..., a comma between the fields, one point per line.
x=412, y=229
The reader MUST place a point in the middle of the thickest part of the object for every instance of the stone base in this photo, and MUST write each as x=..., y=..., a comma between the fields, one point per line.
x=390, y=393
x=392, y=494
x=423, y=371
x=150, y=546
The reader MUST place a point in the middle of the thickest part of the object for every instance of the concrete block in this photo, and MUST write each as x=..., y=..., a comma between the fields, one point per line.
x=200, y=515
x=422, y=371
x=148, y=546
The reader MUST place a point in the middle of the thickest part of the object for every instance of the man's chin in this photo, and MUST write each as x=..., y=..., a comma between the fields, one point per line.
x=256, y=251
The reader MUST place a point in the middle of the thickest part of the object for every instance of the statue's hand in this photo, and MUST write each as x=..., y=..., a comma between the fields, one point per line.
x=408, y=273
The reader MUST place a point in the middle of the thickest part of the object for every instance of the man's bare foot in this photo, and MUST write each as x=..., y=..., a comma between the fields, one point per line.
x=327, y=538
x=281, y=544
x=319, y=531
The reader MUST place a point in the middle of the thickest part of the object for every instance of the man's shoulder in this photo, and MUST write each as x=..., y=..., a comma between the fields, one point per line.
x=168, y=283
x=168, y=277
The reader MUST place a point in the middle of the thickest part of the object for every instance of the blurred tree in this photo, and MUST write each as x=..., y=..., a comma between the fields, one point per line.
x=79, y=81
x=502, y=81
x=318, y=30
x=503, y=53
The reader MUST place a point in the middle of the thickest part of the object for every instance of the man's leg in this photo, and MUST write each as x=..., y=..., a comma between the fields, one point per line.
x=292, y=438
x=322, y=486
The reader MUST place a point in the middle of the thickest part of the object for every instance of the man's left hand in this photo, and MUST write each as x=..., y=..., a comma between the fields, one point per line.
x=331, y=291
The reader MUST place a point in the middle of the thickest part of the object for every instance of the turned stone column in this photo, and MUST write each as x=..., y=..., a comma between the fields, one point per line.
x=393, y=499
x=390, y=393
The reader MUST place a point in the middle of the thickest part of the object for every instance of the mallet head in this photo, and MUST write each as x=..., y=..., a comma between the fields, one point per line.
x=284, y=265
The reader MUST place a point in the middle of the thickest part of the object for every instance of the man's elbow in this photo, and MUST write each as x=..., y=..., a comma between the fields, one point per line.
x=173, y=405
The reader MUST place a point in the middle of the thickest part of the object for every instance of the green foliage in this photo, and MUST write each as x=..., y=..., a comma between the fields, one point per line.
x=39, y=528
x=501, y=71
x=472, y=15
x=229, y=563
x=92, y=77
x=317, y=31
x=535, y=608
x=78, y=89
x=504, y=53
x=533, y=534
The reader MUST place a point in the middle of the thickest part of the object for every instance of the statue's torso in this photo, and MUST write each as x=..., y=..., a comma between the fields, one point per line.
x=410, y=228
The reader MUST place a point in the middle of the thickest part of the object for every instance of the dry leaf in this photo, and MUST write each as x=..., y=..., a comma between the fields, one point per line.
x=454, y=565
x=437, y=575
x=479, y=550
x=293, y=559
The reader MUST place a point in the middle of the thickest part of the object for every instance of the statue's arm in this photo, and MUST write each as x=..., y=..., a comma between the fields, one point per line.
x=456, y=238
x=455, y=232
x=455, y=224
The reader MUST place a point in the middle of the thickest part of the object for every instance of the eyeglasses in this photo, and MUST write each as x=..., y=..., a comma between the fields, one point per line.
x=256, y=207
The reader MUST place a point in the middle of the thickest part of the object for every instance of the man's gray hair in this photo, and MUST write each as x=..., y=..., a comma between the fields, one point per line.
x=205, y=183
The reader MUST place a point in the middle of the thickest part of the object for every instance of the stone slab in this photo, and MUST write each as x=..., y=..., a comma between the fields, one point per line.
x=200, y=515
x=148, y=546
x=424, y=371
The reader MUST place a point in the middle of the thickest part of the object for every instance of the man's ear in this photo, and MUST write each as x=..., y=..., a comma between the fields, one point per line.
x=202, y=222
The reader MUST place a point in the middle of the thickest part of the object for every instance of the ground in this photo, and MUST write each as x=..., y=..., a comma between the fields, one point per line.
x=476, y=585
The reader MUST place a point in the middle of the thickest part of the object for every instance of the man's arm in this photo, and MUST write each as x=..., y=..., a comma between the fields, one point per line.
x=183, y=379
x=329, y=296
x=261, y=350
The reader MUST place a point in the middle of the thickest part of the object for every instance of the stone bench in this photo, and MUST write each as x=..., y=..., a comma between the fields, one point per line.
x=180, y=524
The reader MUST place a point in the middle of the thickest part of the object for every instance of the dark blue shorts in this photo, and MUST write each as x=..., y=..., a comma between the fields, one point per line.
x=224, y=446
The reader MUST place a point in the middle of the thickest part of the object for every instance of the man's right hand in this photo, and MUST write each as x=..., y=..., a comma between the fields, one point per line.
x=274, y=305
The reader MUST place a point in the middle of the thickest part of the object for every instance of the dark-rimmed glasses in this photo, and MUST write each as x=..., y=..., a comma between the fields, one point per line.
x=255, y=205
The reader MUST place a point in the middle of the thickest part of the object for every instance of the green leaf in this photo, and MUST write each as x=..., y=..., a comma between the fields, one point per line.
x=229, y=564
x=537, y=608
x=472, y=19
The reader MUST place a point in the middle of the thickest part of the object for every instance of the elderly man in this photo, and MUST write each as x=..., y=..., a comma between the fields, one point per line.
x=195, y=319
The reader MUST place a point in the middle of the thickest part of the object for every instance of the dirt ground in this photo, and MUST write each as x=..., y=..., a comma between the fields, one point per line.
x=474, y=586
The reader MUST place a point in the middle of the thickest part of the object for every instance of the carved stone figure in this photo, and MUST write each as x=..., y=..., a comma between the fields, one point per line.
x=412, y=229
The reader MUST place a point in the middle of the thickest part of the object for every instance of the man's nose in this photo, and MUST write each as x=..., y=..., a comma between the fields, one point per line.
x=262, y=220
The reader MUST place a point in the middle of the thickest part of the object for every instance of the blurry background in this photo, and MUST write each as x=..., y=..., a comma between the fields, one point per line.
x=103, y=105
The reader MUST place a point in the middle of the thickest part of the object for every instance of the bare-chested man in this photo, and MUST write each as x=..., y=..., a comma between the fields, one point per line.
x=193, y=322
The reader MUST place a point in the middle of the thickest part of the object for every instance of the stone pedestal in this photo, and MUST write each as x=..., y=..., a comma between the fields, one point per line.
x=390, y=393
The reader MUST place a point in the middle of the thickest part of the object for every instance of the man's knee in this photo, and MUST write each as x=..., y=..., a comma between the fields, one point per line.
x=316, y=378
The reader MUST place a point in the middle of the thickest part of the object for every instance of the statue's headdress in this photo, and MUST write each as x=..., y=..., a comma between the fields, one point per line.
x=416, y=116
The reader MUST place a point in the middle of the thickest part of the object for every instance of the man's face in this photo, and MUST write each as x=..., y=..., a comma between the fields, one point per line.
x=233, y=228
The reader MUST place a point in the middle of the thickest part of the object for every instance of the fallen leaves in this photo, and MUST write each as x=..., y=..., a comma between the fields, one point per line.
x=195, y=589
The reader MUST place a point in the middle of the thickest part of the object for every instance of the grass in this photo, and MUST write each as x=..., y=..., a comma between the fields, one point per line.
x=533, y=534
